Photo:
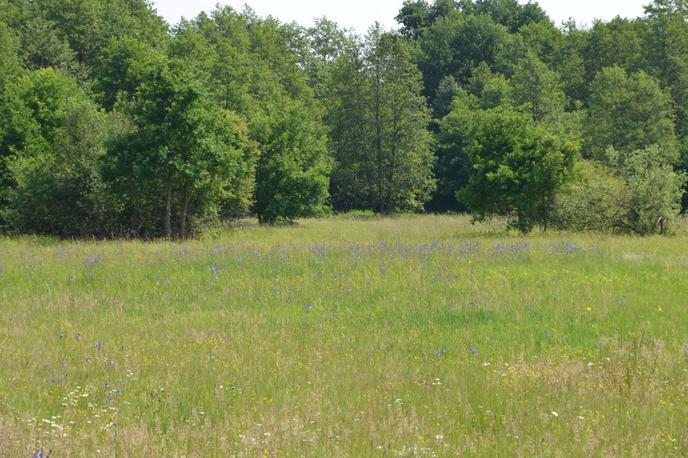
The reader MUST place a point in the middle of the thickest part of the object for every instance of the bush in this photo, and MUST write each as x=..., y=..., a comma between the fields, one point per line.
x=595, y=200
x=643, y=197
x=656, y=191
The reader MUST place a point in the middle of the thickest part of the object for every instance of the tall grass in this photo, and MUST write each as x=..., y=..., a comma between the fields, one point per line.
x=411, y=336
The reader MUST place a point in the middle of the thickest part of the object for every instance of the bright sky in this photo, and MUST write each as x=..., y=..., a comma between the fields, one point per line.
x=360, y=14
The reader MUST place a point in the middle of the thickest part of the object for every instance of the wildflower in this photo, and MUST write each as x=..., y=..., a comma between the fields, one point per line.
x=99, y=346
x=660, y=310
x=215, y=270
x=440, y=352
x=52, y=380
x=473, y=350
x=588, y=309
x=555, y=414
x=308, y=307
x=622, y=301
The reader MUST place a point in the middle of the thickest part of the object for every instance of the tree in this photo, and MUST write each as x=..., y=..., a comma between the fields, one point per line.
x=183, y=159
x=666, y=51
x=656, y=191
x=251, y=65
x=382, y=145
x=455, y=45
x=54, y=142
x=629, y=113
x=414, y=16
x=539, y=87
x=89, y=25
x=447, y=90
x=293, y=171
x=318, y=48
x=617, y=43
x=453, y=169
x=509, y=13
x=518, y=168
x=9, y=55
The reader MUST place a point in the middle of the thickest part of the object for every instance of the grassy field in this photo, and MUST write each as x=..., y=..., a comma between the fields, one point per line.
x=413, y=336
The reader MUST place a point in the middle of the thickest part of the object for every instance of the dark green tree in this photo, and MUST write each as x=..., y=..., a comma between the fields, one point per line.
x=454, y=45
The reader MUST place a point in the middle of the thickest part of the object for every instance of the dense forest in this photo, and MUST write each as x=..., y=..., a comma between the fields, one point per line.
x=114, y=123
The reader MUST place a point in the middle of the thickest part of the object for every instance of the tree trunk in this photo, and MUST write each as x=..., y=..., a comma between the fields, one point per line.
x=184, y=215
x=168, y=213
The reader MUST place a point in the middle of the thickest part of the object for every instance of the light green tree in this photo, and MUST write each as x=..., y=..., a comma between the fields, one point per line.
x=628, y=113
x=518, y=167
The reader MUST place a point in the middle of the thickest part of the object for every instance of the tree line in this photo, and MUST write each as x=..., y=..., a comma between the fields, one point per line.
x=114, y=123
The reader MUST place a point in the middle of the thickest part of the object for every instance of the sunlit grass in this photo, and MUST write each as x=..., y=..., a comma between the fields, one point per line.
x=409, y=336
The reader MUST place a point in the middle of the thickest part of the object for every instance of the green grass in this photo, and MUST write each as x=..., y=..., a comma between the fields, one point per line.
x=412, y=336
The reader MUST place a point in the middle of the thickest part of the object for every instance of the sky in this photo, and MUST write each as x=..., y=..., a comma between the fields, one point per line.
x=360, y=14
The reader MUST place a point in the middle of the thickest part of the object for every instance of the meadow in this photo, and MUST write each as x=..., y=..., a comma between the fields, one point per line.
x=408, y=336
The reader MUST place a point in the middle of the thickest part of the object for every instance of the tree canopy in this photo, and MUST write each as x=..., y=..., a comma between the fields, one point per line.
x=114, y=123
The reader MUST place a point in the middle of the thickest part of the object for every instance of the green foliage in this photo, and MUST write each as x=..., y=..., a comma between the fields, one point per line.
x=248, y=65
x=594, y=200
x=456, y=44
x=453, y=169
x=629, y=112
x=417, y=15
x=637, y=193
x=293, y=170
x=539, y=87
x=379, y=130
x=52, y=151
x=9, y=55
x=655, y=190
x=231, y=114
x=183, y=160
x=617, y=43
x=519, y=168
